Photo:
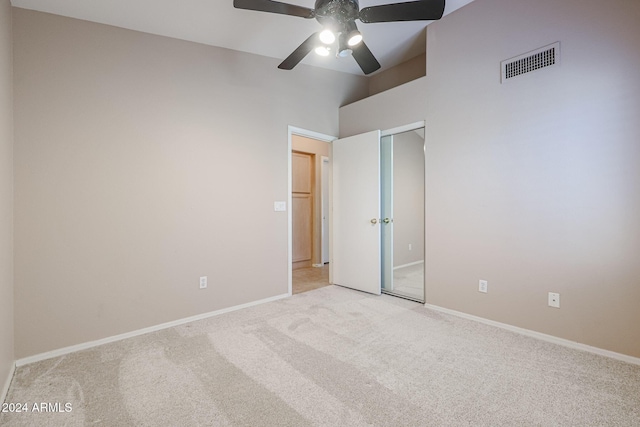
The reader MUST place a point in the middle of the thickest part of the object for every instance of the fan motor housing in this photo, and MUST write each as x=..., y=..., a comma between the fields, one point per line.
x=338, y=13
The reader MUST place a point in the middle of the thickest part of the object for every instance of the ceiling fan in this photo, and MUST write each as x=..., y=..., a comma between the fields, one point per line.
x=340, y=33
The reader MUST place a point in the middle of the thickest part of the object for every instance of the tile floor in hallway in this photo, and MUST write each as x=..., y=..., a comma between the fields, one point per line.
x=310, y=278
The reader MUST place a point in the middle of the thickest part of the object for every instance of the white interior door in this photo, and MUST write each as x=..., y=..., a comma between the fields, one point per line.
x=356, y=212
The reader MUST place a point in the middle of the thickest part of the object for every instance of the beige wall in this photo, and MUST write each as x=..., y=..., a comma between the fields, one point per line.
x=143, y=163
x=532, y=185
x=320, y=149
x=6, y=197
x=408, y=198
x=400, y=74
x=396, y=107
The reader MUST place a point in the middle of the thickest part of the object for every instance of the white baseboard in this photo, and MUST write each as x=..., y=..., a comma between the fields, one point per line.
x=539, y=335
x=7, y=383
x=408, y=265
x=90, y=344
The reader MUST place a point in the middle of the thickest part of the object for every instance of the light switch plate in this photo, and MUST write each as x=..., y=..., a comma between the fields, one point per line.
x=483, y=286
x=280, y=206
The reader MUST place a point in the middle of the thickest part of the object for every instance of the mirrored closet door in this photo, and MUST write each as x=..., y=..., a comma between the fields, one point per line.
x=402, y=182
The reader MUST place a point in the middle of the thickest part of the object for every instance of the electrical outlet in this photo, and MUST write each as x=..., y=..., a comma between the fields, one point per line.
x=554, y=300
x=483, y=286
x=203, y=282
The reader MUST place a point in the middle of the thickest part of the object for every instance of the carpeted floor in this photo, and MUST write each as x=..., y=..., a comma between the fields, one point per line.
x=330, y=357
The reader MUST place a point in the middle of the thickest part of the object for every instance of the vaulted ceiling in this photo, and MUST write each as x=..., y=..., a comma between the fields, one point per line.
x=218, y=23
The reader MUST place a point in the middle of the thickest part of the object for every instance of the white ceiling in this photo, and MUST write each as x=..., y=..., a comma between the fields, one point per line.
x=218, y=23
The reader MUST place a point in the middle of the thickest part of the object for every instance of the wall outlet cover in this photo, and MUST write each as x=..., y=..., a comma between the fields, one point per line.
x=554, y=299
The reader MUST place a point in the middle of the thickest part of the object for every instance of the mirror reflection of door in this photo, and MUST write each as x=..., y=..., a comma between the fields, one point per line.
x=402, y=214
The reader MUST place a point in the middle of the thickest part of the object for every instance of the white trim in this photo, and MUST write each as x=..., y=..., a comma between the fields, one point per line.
x=91, y=344
x=311, y=134
x=7, y=383
x=401, y=129
x=409, y=264
x=539, y=335
x=424, y=211
x=292, y=130
x=289, y=214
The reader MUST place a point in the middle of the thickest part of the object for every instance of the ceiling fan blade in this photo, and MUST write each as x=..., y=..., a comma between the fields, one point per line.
x=423, y=10
x=365, y=58
x=274, y=7
x=298, y=55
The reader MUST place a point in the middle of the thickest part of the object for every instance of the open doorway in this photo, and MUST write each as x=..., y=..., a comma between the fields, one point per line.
x=309, y=180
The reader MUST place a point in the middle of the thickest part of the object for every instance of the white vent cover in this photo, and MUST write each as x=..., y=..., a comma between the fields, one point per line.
x=540, y=58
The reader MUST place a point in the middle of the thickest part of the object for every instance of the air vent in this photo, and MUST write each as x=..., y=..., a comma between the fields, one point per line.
x=540, y=58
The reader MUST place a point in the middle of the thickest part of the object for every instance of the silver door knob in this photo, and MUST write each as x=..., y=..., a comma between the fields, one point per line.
x=386, y=220
x=374, y=221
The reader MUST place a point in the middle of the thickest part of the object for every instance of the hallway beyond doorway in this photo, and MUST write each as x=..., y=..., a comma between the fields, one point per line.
x=310, y=278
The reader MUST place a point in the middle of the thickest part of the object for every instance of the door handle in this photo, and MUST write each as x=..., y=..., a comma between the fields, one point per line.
x=374, y=221
x=386, y=220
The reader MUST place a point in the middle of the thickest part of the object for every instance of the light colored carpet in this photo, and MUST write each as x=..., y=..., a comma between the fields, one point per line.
x=331, y=357
x=409, y=281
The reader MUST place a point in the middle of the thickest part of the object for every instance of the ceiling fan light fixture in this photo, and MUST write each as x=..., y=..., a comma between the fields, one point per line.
x=327, y=37
x=322, y=51
x=344, y=52
x=344, y=49
x=354, y=38
x=337, y=18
